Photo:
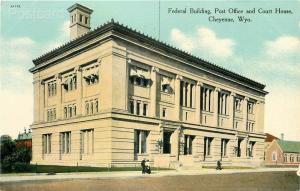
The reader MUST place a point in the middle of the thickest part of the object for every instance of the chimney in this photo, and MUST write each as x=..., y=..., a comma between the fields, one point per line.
x=282, y=136
x=80, y=19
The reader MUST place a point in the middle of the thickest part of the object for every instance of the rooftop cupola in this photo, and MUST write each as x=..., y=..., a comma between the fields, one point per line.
x=80, y=18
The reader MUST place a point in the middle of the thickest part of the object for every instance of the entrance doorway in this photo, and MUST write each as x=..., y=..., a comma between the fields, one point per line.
x=167, y=143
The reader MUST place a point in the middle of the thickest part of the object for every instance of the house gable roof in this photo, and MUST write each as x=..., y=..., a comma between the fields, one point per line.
x=289, y=146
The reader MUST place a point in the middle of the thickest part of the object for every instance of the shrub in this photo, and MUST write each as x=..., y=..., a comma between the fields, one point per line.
x=21, y=167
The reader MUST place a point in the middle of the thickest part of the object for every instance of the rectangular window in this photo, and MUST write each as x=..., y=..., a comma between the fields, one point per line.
x=140, y=141
x=285, y=157
x=237, y=104
x=138, y=106
x=188, y=144
x=131, y=106
x=274, y=156
x=96, y=106
x=222, y=103
x=145, y=108
x=207, y=145
x=87, y=141
x=191, y=95
x=46, y=143
x=80, y=18
x=250, y=107
x=224, y=143
x=65, y=142
x=86, y=20
x=206, y=99
x=87, y=108
x=65, y=112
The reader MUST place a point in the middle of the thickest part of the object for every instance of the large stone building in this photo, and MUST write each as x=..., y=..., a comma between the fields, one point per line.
x=112, y=96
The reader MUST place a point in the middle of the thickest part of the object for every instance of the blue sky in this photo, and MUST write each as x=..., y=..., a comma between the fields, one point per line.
x=266, y=50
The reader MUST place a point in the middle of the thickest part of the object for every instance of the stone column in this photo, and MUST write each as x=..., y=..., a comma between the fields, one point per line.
x=42, y=101
x=197, y=102
x=188, y=93
x=78, y=72
x=153, y=92
x=59, y=113
x=245, y=113
x=231, y=110
x=216, y=115
x=177, y=98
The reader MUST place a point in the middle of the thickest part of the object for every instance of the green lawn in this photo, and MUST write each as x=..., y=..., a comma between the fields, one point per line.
x=64, y=169
x=229, y=167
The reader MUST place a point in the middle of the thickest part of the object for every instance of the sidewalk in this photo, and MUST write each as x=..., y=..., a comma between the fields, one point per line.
x=6, y=178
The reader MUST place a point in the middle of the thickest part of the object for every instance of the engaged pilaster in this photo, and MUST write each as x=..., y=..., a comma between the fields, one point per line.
x=216, y=114
x=198, y=101
x=153, y=92
x=177, y=97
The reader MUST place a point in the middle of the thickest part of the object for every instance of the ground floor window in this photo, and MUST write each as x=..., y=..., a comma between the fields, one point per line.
x=285, y=157
x=291, y=158
x=167, y=142
x=224, y=143
x=87, y=141
x=140, y=141
x=207, y=145
x=298, y=158
x=274, y=156
x=250, y=148
x=65, y=142
x=188, y=144
x=46, y=143
x=238, y=148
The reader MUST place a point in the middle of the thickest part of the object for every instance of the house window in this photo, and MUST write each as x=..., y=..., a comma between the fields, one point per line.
x=206, y=99
x=70, y=111
x=238, y=104
x=86, y=20
x=224, y=143
x=164, y=110
x=91, y=107
x=188, y=144
x=291, y=158
x=131, y=106
x=238, y=148
x=167, y=142
x=46, y=143
x=139, y=77
x=298, y=158
x=80, y=17
x=145, y=109
x=285, y=157
x=186, y=94
x=87, y=141
x=250, y=107
x=91, y=75
x=140, y=141
x=70, y=83
x=207, y=145
x=274, y=156
x=65, y=142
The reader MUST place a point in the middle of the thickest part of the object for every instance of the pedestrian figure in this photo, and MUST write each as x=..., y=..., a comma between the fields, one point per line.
x=143, y=164
x=219, y=165
x=148, y=169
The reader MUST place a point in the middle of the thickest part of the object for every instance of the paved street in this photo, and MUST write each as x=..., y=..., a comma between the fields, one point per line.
x=175, y=181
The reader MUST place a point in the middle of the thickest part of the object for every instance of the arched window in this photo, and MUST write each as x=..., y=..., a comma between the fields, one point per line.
x=285, y=157
x=274, y=156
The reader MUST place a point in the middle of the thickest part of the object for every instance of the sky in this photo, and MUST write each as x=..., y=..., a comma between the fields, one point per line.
x=267, y=49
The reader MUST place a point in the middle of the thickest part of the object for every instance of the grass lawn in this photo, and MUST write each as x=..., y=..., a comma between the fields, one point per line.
x=229, y=167
x=64, y=169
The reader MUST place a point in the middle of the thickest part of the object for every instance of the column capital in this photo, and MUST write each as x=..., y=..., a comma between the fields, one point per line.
x=199, y=83
x=260, y=102
x=129, y=61
x=179, y=77
x=57, y=76
x=154, y=69
x=232, y=94
x=99, y=59
x=217, y=89
x=246, y=98
x=78, y=69
x=42, y=82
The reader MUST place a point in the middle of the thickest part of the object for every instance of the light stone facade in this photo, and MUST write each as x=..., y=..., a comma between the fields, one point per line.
x=115, y=96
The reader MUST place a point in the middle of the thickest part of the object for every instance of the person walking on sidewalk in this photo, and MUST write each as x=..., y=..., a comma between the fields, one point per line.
x=143, y=164
x=148, y=169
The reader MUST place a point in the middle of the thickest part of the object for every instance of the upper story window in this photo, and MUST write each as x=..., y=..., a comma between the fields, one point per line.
x=166, y=84
x=52, y=88
x=70, y=111
x=86, y=20
x=186, y=94
x=250, y=107
x=238, y=104
x=291, y=158
x=91, y=107
x=206, y=99
x=70, y=83
x=274, y=156
x=51, y=114
x=91, y=75
x=138, y=107
x=80, y=17
x=250, y=126
x=139, y=77
x=223, y=103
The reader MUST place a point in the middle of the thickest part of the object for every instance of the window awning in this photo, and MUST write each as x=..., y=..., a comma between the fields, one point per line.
x=139, y=73
x=165, y=81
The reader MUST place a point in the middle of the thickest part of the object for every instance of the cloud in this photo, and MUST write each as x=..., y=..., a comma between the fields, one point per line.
x=283, y=45
x=204, y=40
x=62, y=37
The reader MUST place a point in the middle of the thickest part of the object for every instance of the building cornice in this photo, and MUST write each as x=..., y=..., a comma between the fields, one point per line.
x=116, y=29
